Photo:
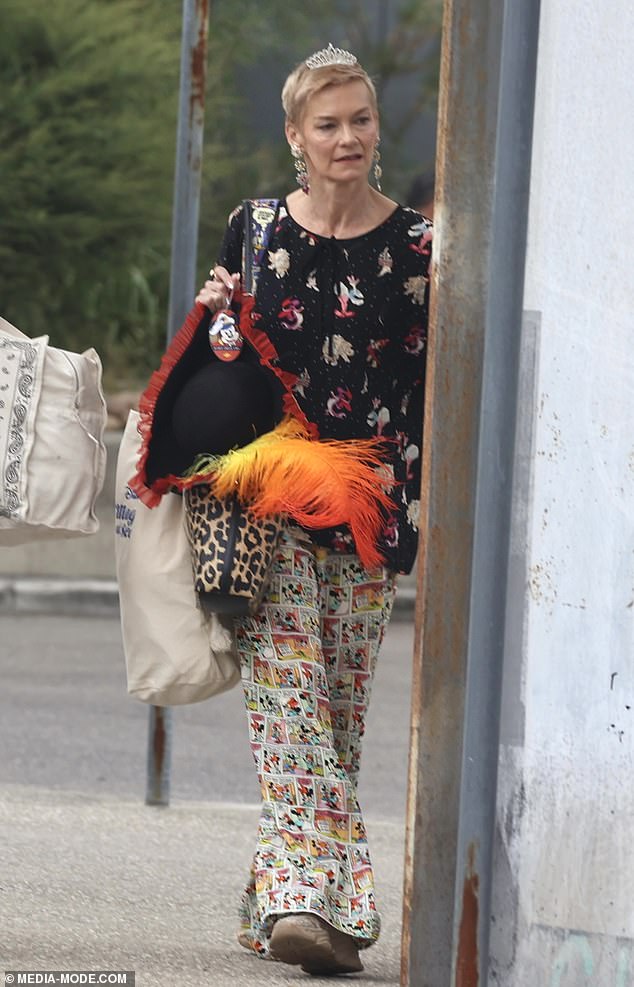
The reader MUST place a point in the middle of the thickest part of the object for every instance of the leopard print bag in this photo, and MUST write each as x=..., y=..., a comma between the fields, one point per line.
x=232, y=551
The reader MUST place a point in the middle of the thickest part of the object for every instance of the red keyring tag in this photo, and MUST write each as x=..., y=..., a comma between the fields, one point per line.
x=225, y=338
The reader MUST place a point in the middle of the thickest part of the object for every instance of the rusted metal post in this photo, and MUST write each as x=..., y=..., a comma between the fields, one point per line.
x=189, y=156
x=159, y=756
x=483, y=161
x=494, y=489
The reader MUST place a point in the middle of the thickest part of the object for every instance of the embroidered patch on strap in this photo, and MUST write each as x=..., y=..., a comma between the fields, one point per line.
x=261, y=215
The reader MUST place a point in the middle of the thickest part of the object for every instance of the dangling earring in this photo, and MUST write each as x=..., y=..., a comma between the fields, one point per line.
x=301, y=172
x=378, y=171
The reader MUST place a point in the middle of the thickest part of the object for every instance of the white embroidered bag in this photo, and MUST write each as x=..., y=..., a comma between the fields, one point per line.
x=174, y=652
x=52, y=455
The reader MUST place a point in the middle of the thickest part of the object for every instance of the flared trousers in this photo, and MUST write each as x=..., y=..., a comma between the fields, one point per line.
x=307, y=659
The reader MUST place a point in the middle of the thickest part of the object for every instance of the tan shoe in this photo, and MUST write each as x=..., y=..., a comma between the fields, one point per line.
x=306, y=940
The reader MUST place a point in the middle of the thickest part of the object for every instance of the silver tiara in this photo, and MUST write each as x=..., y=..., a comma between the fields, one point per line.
x=330, y=56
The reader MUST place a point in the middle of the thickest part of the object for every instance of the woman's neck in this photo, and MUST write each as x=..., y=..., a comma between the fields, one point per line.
x=339, y=210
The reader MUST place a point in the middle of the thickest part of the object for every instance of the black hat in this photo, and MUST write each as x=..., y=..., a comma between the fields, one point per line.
x=223, y=406
x=209, y=406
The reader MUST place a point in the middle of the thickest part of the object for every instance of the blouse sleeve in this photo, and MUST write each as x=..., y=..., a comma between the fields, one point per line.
x=410, y=330
x=230, y=254
x=410, y=336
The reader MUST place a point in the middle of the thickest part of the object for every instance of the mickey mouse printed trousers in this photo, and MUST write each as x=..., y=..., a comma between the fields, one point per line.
x=307, y=658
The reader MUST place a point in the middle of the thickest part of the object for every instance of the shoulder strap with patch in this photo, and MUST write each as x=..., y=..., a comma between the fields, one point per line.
x=259, y=218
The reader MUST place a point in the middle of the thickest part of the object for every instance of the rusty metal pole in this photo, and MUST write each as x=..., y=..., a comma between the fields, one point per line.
x=189, y=159
x=189, y=155
x=485, y=127
x=159, y=756
x=494, y=490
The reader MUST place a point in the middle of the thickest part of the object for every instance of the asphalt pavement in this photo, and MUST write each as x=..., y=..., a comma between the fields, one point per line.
x=94, y=879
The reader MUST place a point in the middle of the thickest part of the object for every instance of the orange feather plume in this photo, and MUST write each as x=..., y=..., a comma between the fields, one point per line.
x=318, y=483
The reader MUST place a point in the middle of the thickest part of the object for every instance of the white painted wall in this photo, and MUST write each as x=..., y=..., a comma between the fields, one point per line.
x=565, y=856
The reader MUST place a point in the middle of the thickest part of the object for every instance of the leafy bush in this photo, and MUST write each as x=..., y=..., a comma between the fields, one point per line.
x=88, y=108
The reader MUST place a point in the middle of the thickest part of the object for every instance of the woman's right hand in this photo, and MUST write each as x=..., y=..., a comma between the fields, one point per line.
x=217, y=290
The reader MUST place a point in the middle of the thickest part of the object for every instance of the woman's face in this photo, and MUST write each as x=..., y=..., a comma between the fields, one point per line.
x=338, y=133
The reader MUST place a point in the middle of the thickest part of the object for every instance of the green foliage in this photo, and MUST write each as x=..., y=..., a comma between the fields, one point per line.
x=88, y=109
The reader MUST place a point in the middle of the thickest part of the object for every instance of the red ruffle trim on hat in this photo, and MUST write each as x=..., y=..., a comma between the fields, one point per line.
x=151, y=496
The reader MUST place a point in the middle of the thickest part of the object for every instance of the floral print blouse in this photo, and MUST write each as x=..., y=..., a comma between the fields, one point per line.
x=348, y=319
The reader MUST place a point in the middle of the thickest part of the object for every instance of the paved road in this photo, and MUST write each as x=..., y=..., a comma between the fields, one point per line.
x=66, y=721
x=92, y=878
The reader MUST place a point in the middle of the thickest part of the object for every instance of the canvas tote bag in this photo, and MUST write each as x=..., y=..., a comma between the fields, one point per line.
x=174, y=652
x=52, y=455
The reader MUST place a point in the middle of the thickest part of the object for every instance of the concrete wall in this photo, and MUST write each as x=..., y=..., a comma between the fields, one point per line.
x=564, y=897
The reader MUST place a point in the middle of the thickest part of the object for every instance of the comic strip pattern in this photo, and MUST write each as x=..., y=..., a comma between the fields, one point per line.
x=307, y=660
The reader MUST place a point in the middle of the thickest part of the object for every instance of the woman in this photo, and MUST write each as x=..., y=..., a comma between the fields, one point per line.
x=342, y=301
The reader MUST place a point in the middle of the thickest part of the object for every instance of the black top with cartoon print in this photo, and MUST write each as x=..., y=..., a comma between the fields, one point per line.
x=348, y=318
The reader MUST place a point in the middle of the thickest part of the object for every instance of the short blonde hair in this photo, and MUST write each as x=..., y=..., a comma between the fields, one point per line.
x=304, y=83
